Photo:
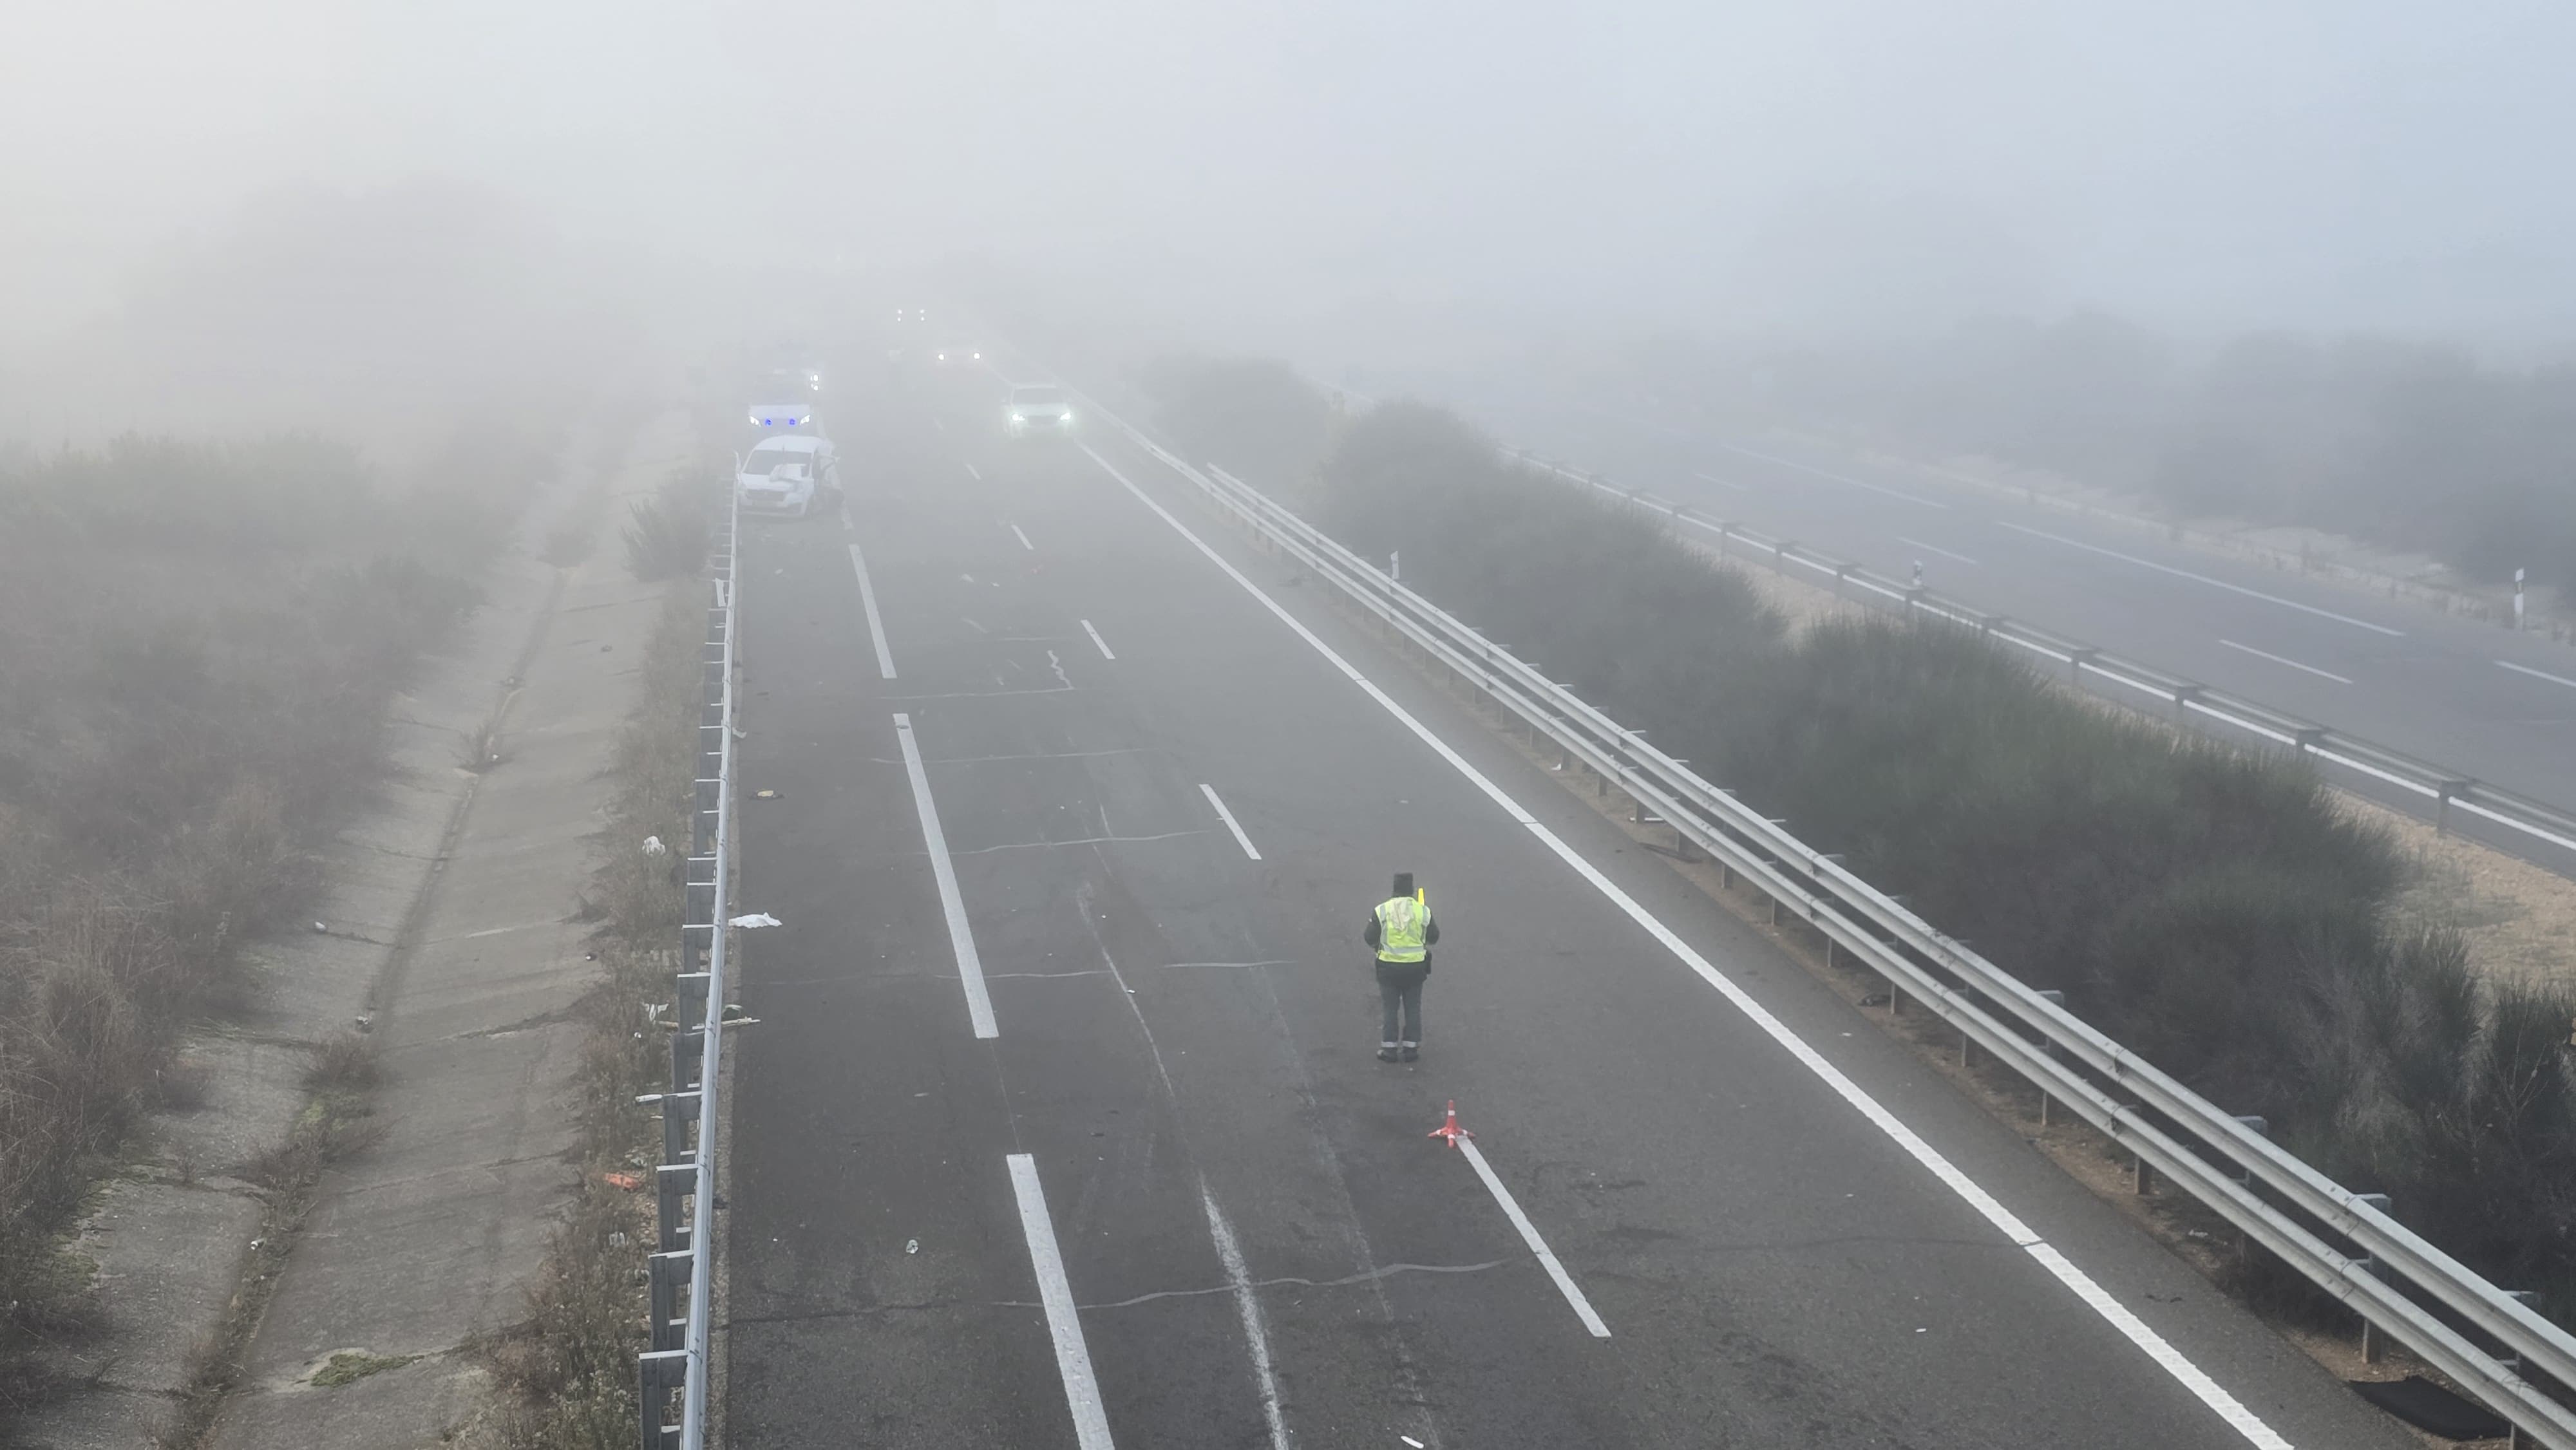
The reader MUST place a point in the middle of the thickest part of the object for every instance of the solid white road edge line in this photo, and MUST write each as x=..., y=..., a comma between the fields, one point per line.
x=1248, y=1306
x=1930, y=503
x=961, y=936
x=1055, y=1292
x=1023, y=538
x=1097, y=640
x=2538, y=674
x=1529, y=1235
x=2284, y=660
x=868, y=601
x=1933, y=549
x=2202, y=579
x=2171, y=1360
x=1231, y=824
x=1721, y=482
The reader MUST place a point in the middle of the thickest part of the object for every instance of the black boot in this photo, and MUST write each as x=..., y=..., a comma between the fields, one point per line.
x=1386, y=1054
x=1411, y=1051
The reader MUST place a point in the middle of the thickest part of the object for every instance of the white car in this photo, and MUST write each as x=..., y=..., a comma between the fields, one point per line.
x=791, y=477
x=1038, y=410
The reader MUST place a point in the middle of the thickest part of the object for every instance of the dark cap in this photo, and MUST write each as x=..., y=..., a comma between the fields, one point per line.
x=1403, y=883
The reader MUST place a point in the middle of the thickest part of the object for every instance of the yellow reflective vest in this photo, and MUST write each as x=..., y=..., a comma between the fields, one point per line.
x=1401, y=925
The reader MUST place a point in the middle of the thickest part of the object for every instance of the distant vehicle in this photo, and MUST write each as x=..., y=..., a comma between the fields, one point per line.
x=782, y=415
x=912, y=314
x=1038, y=410
x=958, y=350
x=791, y=476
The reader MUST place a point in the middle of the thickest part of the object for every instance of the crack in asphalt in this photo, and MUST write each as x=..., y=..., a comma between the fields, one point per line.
x=813, y=1316
x=1362, y=1277
x=1081, y=841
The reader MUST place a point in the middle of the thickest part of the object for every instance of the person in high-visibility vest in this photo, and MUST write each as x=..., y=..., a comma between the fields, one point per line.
x=1402, y=931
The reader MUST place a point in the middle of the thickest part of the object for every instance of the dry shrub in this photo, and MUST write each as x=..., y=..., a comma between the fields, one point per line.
x=667, y=535
x=197, y=646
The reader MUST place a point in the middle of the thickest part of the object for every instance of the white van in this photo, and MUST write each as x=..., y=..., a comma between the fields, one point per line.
x=790, y=476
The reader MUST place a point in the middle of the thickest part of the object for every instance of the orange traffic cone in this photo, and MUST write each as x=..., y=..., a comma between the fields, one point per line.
x=1449, y=1128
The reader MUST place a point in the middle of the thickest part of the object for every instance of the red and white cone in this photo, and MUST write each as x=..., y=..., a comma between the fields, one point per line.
x=1449, y=1129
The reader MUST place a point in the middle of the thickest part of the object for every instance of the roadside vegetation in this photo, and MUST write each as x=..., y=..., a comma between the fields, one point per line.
x=2214, y=910
x=198, y=645
x=667, y=535
x=566, y=1372
x=1236, y=407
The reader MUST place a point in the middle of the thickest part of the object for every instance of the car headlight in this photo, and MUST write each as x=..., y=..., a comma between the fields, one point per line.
x=1065, y=417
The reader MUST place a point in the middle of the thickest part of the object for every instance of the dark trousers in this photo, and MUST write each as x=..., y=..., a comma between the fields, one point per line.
x=1399, y=985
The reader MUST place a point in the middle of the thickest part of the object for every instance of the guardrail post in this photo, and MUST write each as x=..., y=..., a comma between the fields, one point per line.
x=672, y=1183
x=2142, y=1178
x=2056, y=998
x=2259, y=1124
x=2374, y=1345
x=667, y=1278
x=2077, y=658
x=702, y=819
x=684, y=1057
x=2510, y=1359
x=2442, y=794
x=689, y=997
x=1780, y=555
x=656, y=1375
x=678, y=1110
x=2183, y=696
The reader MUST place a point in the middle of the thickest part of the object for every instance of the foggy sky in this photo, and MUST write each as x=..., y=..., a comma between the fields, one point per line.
x=1823, y=164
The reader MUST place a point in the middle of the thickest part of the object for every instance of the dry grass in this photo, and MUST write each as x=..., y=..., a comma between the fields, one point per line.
x=667, y=535
x=197, y=645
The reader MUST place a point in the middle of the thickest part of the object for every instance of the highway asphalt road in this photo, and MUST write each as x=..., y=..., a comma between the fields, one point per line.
x=2472, y=697
x=1067, y=1130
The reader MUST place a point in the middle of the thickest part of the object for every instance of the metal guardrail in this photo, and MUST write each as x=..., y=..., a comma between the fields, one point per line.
x=2446, y=789
x=2484, y=1338
x=683, y=1261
